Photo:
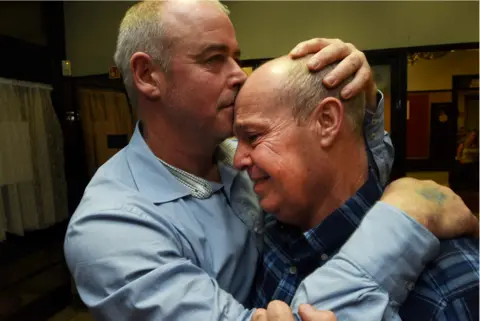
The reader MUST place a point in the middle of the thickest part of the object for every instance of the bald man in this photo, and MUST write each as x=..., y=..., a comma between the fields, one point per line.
x=304, y=149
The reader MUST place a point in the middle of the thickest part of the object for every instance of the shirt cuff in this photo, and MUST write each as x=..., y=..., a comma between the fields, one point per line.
x=371, y=110
x=392, y=249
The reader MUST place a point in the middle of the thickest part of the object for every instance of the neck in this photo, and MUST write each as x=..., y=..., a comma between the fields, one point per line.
x=179, y=148
x=345, y=181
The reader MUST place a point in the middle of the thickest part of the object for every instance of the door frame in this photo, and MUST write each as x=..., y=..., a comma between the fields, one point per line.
x=397, y=58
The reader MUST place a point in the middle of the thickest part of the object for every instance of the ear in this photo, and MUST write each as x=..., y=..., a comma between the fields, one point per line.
x=147, y=76
x=327, y=119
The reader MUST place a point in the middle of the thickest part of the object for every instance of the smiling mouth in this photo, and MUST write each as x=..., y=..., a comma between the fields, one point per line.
x=260, y=180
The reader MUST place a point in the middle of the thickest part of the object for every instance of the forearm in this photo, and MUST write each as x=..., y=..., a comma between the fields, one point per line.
x=189, y=295
x=373, y=272
x=136, y=269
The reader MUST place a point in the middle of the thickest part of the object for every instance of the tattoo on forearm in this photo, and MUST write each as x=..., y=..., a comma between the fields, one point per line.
x=433, y=195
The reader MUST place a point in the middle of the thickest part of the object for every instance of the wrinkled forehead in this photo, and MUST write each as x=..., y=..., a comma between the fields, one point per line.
x=252, y=98
x=257, y=103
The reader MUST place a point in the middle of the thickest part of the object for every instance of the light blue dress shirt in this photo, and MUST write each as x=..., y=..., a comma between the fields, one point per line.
x=141, y=247
x=378, y=140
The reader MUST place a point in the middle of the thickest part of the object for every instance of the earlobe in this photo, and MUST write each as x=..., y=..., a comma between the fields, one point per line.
x=144, y=74
x=328, y=118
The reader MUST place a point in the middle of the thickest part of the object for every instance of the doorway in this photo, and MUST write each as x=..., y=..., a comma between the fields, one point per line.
x=442, y=133
x=464, y=170
x=107, y=124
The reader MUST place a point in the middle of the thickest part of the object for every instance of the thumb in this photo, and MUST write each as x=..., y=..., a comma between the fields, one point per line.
x=309, y=313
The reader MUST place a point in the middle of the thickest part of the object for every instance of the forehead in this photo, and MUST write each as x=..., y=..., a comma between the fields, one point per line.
x=256, y=103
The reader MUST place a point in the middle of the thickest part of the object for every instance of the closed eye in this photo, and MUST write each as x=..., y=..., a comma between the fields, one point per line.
x=252, y=139
x=216, y=58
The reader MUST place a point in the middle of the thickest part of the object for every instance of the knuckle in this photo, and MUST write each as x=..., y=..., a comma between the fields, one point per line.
x=354, y=64
x=365, y=77
x=274, y=305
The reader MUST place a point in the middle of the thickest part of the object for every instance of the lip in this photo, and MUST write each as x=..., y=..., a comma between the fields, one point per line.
x=227, y=106
x=259, y=183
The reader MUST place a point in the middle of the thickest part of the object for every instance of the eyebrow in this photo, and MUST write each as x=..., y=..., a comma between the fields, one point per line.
x=216, y=48
x=245, y=125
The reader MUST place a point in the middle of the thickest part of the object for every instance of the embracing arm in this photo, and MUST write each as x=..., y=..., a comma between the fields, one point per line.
x=383, y=258
x=128, y=268
x=373, y=272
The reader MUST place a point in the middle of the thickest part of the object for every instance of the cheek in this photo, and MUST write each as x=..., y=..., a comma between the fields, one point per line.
x=204, y=84
x=283, y=166
x=267, y=160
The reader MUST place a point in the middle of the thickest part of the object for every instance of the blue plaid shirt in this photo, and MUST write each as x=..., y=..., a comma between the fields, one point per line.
x=446, y=290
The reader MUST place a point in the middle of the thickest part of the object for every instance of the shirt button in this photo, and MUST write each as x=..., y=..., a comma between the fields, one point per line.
x=374, y=121
x=292, y=270
x=324, y=257
x=372, y=135
x=410, y=286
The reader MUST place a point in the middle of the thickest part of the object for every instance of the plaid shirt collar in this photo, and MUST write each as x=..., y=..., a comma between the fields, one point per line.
x=334, y=231
x=290, y=255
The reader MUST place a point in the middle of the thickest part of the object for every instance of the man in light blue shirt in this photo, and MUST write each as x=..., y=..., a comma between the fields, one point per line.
x=167, y=229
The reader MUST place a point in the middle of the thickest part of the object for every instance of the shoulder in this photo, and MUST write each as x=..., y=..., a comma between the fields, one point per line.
x=114, y=218
x=452, y=277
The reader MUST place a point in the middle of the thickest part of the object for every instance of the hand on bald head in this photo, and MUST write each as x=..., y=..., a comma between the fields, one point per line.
x=289, y=83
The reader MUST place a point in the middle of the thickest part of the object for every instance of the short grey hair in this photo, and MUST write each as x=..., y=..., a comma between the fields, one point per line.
x=142, y=30
x=305, y=90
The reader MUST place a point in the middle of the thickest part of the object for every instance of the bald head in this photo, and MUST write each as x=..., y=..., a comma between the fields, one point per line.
x=290, y=83
x=146, y=28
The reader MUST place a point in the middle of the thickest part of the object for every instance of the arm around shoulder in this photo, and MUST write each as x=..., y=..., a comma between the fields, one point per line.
x=372, y=274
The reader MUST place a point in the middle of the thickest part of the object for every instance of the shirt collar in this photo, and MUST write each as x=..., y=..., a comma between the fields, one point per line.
x=151, y=177
x=334, y=231
x=162, y=182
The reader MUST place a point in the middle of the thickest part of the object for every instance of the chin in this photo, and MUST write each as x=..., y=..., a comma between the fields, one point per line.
x=270, y=206
x=282, y=211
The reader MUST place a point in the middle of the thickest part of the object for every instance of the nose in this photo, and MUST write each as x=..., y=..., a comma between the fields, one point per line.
x=242, y=159
x=238, y=76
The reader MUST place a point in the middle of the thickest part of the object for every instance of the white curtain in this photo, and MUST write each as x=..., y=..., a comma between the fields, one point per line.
x=32, y=179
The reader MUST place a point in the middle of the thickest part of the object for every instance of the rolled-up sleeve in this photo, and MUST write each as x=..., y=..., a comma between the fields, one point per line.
x=375, y=270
